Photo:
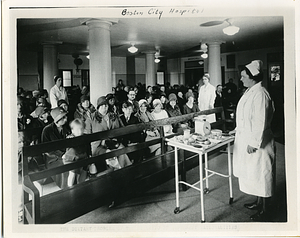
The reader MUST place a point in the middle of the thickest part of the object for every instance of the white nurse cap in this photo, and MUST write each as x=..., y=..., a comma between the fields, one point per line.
x=255, y=67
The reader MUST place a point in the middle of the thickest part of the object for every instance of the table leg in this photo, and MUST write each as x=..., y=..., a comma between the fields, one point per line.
x=183, y=170
x=230, y=173
x=206, y=190
x=201, y=187
x=177, y=209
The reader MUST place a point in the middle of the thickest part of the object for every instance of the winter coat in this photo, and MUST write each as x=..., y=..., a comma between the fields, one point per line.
x=83, y=113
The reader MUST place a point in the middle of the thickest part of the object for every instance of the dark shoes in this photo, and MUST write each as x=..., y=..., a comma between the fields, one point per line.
x=253, y=206
x=260, y=216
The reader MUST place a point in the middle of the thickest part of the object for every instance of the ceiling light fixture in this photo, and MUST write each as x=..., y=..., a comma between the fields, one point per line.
x=132, y=49
x=156, y=55
x=203, y=47
x=204, y=55
x=231, y=29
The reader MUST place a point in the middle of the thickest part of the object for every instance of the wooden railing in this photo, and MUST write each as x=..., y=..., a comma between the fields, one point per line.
x=32, y=209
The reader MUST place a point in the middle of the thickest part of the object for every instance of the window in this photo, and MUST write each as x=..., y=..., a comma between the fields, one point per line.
x=66, y=77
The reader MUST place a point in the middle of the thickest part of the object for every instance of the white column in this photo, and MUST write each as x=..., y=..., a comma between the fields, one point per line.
x=150, y=68
x=50, y=65
x=100, y=58
x=214, y=63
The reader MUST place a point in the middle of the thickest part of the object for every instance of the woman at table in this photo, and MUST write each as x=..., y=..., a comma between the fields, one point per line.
x=254, y=148
x=57, y=92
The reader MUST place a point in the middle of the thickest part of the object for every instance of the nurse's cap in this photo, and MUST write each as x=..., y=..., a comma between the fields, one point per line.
x=255, y=67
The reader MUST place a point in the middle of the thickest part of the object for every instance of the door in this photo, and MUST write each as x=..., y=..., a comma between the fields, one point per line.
x=192, y=76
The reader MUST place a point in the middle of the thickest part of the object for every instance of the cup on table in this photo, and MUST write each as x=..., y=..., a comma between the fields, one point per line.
x=186, y=133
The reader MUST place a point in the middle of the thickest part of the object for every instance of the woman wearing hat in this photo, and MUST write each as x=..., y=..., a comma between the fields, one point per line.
x=206, y=97
x=173, y=111
x=111, y=100
x=254, y=148
x=57, y=92
x=190, y=107
x=149, y=99
x=57, y=130
x=41, y=120
x=24, y=120
x=84, y=109
x=163, y=99
x=102, y=120
x=159, y=113
x=145, y=116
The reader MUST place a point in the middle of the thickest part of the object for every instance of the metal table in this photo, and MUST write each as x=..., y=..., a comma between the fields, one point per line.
x=208, y=172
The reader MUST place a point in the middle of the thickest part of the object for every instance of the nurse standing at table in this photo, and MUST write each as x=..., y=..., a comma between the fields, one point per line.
x=254, y=147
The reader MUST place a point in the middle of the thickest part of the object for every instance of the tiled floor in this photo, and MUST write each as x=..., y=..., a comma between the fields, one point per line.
x=157, y=205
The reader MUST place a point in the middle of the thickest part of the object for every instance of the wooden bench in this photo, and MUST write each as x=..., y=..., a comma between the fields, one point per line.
x=69, y=203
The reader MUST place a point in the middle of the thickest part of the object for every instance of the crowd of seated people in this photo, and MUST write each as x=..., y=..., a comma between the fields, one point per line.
x=125, y=105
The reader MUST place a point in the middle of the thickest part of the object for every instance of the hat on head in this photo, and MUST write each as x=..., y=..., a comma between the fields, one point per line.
x=142, y=101
x=206, y=75
x=84, y=98
x=109, y=96
x=101, y=101
x=189, y=94
x=36, y=93
x=61, y=101
x=172, y=96
x=163, y=94
x=58, y=113
x=40, y=111
x=56, y=77
x=156, y=102
x=254, y=67
x=41, y=100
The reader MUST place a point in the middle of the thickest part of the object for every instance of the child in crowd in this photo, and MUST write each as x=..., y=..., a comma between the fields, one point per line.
x=76, y=153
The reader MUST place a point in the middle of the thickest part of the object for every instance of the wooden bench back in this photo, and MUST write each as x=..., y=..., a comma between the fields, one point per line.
x=34, y=215
x=35, y=150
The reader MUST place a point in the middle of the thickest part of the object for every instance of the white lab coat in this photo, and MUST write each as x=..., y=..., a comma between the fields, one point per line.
x=56, y=94
x=206, y=100
x=253, y=117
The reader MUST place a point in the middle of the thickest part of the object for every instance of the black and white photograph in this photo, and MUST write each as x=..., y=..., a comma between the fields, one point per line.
x=152, y=120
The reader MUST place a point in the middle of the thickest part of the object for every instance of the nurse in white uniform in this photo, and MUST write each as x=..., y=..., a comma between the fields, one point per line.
x=254, y=148
x=207, y=96
x=58, y=92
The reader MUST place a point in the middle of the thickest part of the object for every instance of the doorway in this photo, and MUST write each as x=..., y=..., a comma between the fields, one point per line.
x=194, y=71
x=192, y=76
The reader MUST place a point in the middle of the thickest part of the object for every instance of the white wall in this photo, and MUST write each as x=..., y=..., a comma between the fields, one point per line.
x=174, y=70
x=140, y=70
x=28, y=76
x=118, y=69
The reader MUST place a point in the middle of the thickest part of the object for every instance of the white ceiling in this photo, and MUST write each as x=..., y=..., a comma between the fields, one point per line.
x=174, y=36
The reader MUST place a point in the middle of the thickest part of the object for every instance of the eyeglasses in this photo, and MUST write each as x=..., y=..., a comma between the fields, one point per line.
x=132, y=94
